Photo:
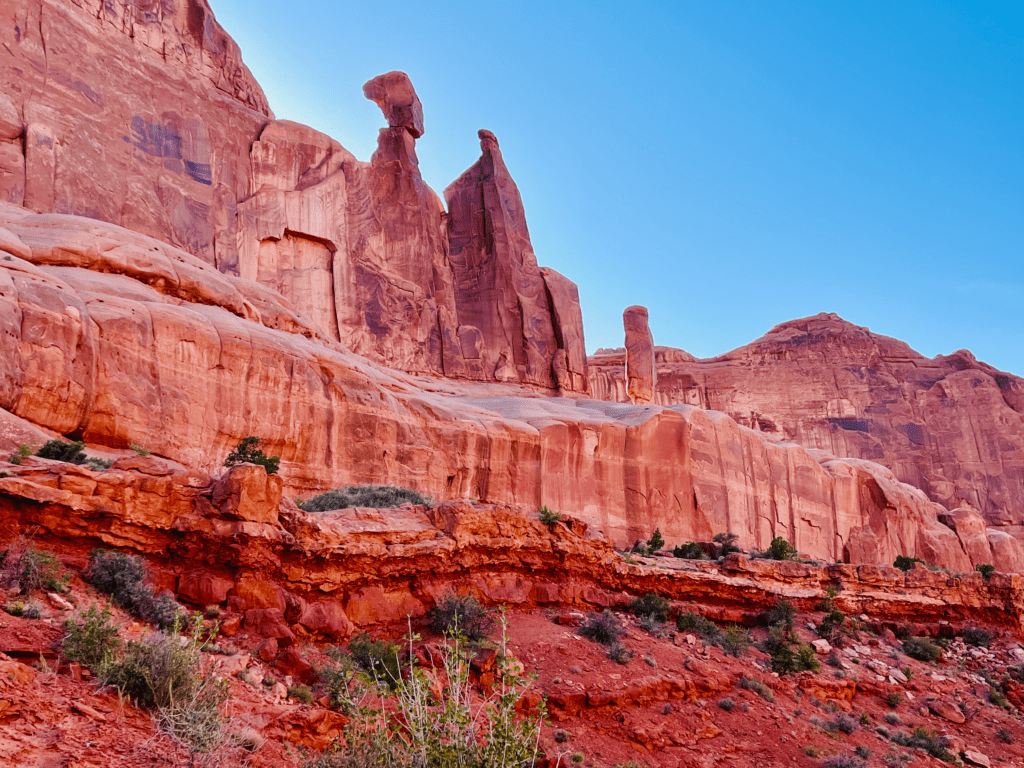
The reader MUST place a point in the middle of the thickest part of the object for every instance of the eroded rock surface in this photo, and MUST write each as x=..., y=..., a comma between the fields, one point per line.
x=640, y=372
x=951, y=425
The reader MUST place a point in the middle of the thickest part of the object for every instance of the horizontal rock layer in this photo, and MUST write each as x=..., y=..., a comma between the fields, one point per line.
x=234, y=539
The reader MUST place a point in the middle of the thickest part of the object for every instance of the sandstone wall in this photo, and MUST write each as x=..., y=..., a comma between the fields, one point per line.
x=952, y=426
x=117, y=339
x=135, y=113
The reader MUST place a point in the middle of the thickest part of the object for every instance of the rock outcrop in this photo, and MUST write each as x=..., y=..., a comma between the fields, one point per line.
x=161, y=350
x=136, y=113
x=641, y=373
x=951, y=425
x=233, y=540
x=513, y=319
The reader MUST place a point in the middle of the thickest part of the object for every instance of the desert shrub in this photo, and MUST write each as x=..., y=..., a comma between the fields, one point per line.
x=301, y=693
x=727, y=704
x=98, y=464
x=758, y=687
x=29, y=610
x=922, y=649
x=780, y=549
x=892, y=718
x=862, y=751
x=340, y=680
x=652, y=626
x=726, y=543
x=905, y=563
x=985, y=569
x=460, y=730
x=62, y=450
x=998, y=698
x=841, y=724
x=977, y=637
x=123, y=578
x=561, y=736
x=831, y=627
x=656, y=542
x=735, y=641
x=91, y=638
x=461, y=615
x=921, y=738
x=782, y=614
x=249, y=452
x=23, y=451
x=375, y=496
x=691, y=550
x=27, y=569
x=619, y=653
x=602, y=628
x=788, y=656
x=548, y=517
x=379, y=659
x=651, y=605
x=1004, y=735
x=894, y=699
x=139, y=449
x=706, y=630
x=843, y=761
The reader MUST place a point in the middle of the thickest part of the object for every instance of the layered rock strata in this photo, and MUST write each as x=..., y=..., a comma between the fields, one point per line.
x=234, y=541
x=951, y=425
x=118, y=339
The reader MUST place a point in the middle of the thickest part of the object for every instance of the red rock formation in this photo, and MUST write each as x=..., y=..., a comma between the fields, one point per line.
x=640, y=372
x=300, y=574
x=135, y=113
x=514, y=321
x=952, y=426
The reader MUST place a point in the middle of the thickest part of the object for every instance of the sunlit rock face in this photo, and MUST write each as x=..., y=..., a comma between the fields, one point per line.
x=951, y=425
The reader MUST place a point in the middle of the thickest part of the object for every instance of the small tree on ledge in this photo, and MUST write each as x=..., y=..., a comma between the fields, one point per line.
x=249, y=452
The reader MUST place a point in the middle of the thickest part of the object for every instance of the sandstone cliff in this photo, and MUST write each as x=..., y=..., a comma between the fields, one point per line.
x=952, y=426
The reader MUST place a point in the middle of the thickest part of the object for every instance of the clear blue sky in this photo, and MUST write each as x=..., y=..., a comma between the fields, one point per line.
x=730, y=164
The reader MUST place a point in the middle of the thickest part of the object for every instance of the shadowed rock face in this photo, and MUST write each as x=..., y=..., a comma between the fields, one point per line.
x=951, y=426
x=136, y=113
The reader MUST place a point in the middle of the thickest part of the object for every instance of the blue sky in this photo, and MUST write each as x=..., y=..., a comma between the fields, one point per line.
x=730, y=164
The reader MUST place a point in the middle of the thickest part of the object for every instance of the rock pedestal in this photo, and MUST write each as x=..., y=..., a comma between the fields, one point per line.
x=641, y=374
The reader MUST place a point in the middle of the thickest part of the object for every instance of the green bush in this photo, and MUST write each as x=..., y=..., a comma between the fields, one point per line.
x=375, y=496
x=98, y=464
x=461, y=615
x=651, y=605
x=782, y=614
x=922, y=649
x=139, y=449
x=460, y=730
x=780, y=549
x=27, y=569
x=91, y=639
x=831, y=627
x=894, y=699
x=726, y=704
x=301, y=693
x=619, y=653
x=921, y=738
x=978, y=637
x=249, y=452
x=691, y=550
x=379, y=659
x=548, y=517
x=985, y=569
x=62, y=450
x=656, y=542
x=726, y=543
x=706, y=630
x=602, y=628
x=23, y=451
x=29, y=610
x=123, y=578
x=735, y=641
x=905, y=563
x=758, y=687
x=787, y=655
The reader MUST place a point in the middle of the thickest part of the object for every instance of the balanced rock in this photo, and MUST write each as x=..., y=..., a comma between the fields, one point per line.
x=396, y=97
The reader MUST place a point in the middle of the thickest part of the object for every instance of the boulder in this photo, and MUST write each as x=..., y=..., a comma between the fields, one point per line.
x=269, y=623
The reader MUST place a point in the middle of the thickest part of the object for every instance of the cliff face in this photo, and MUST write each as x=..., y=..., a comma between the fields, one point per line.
x=951, y=426
x=136, y=113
